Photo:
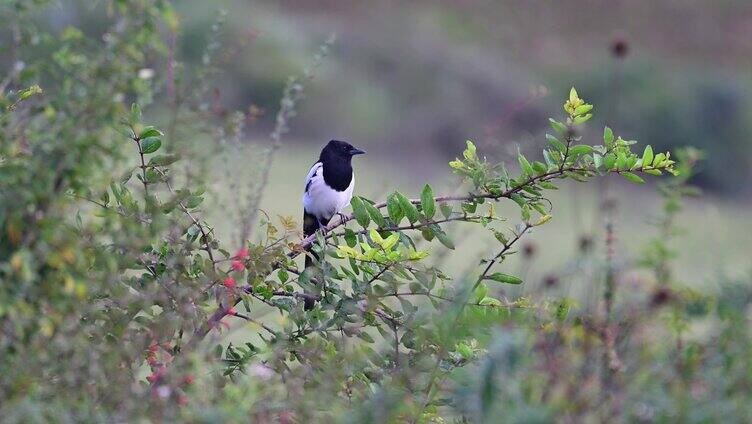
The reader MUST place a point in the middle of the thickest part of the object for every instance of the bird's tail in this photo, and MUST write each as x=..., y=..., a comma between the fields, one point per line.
x=310, y=225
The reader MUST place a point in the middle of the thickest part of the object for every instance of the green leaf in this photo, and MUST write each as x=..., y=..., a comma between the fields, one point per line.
x=444, y=239
x=350, y=237
x=150, y=144
x=558, y=126
x=556, y=143
x=135, y=113
x=525, y=212
x=525, y=165
x=583, y=118
x=446, y=209
x=365, y=336
x=633, y=177
x=647, y=156
x=360, y=212
x=150, y=132
x=469, y=152
x=598, y=161
x=408, y=208
x=608, y=135
x=193, y=201
x=393, y=209
x=621, y=160
x=573, y=95
x=28, y=92
x=550, y=161
x=375, y=214
x=539, y=167
x=583, y=109
x=283, y=275
x=581, y=149
x=427, y=203
x=163, y=160
x=504, y=278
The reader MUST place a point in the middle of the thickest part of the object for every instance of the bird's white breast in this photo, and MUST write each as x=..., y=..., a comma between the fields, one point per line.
x=321, y=200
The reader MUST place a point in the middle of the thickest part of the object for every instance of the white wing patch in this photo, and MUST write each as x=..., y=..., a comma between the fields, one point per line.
x=321, y=200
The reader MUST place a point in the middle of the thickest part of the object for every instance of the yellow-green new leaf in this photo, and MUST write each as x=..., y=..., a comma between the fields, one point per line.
x=647, y=156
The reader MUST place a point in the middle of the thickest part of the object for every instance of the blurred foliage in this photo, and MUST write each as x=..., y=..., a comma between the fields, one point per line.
x=117, y=296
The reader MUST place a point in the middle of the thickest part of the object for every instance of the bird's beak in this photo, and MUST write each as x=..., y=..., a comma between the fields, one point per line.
x=355, y=151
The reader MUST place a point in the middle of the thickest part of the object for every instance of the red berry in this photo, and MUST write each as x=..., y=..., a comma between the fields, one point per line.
x=241, y=254
x=151, y=378
x=237, y=266
x=232, y=311
x=153, y=347
x=188, y=379
x=229, y=283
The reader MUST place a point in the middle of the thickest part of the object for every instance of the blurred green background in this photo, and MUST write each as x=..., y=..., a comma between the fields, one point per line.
x=409, y=81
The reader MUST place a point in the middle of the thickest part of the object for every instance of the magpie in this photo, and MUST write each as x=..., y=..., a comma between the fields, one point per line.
x=328, y=190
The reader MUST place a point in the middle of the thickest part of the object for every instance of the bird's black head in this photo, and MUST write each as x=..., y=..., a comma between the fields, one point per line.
x=339, y=151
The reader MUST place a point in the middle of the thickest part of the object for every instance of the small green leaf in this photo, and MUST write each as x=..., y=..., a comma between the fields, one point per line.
x=525, y=165
x=647, y=156
x=582, y=118
x=163, y=160
x=366, y=337
x=427, y=203
x=135, y=113
x=556, y=143
x=150, y=132
x=573, y=95
x=444, y=239
x=583, y=109
x=598, y=161
x=581, y=149
x=558, y=126
x=469, y=152
x=446, y=209
x=504, y=278
x=350, y=237
x=360, y=212
x=28, y=92
x=375, y=214
x=608, y=135
x=150, y=144
x=410, y=211
x=633, y=177
x=283, y=275
x=393, y=209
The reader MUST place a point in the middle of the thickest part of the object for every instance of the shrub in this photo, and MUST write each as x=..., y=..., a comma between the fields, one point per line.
x=116, y=291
